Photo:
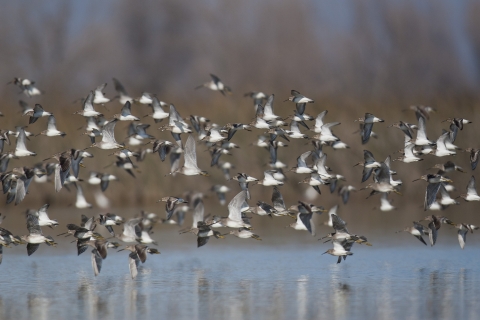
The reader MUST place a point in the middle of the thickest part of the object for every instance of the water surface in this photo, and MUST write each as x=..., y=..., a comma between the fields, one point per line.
x=248, y=282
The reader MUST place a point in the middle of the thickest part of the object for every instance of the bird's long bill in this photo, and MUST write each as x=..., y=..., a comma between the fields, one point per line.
x=324, y=253
x=417, y=179
x=121, y=250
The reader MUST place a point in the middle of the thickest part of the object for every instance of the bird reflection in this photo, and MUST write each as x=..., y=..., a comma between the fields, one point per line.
x=302, y=297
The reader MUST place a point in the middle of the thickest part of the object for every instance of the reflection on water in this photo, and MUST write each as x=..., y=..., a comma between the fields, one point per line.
x=261, y=284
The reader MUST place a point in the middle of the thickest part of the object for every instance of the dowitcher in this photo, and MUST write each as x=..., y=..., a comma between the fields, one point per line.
x=473, y=157
x=344, y=192
x=459, y=122
x=99, y=97
x=108, y=137
x=408, y=156
x=368, y=165
x=126, y=113
x=417, y=230
x=43, y=218
x=145, y=98
x=257, y=97
x=368, y=122
x=81, y=202
x=471, y=194
x=421, y=138
x=244, y=233
x=234, y=219
x=138, y=254
x=190, y=167
x=339, y=249
x=216, y=85
x=462, y=232
x=35, y=236
x=406, y=128
x=383, y=181
x=122, y=96
x=304, y=219
x=385, y=204
x=171, y=202
x=88, y=109
x=434, y=184
x=269, y=179
x=52, y=130
x=27, y=86
x=131, y=231
x=423, y=111
x=296, y=97
x=20, y=147
x=302, y=165
x=108, y=220
x=279, y=204
x=158, y=113
x=447, y=167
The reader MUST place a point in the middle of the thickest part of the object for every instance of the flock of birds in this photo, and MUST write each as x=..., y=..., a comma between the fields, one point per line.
x=137, y=231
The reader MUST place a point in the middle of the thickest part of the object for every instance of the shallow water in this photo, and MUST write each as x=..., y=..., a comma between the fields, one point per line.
x=249, y=282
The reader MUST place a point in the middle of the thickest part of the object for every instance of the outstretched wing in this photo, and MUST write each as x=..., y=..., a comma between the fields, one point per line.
x=366, y=132
x=190, y=153
x=277, y=200
x=306, y=219
x=52, y=123
x=88, y=103
x=471, y=190
x=339, y=224
x=126, y=109
x=133, y=263
x=268, y=109
x=198, y=213
x=119, y=87
x=431, y=194
x=96, y=262
x=108, y=132
x=234, y=207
